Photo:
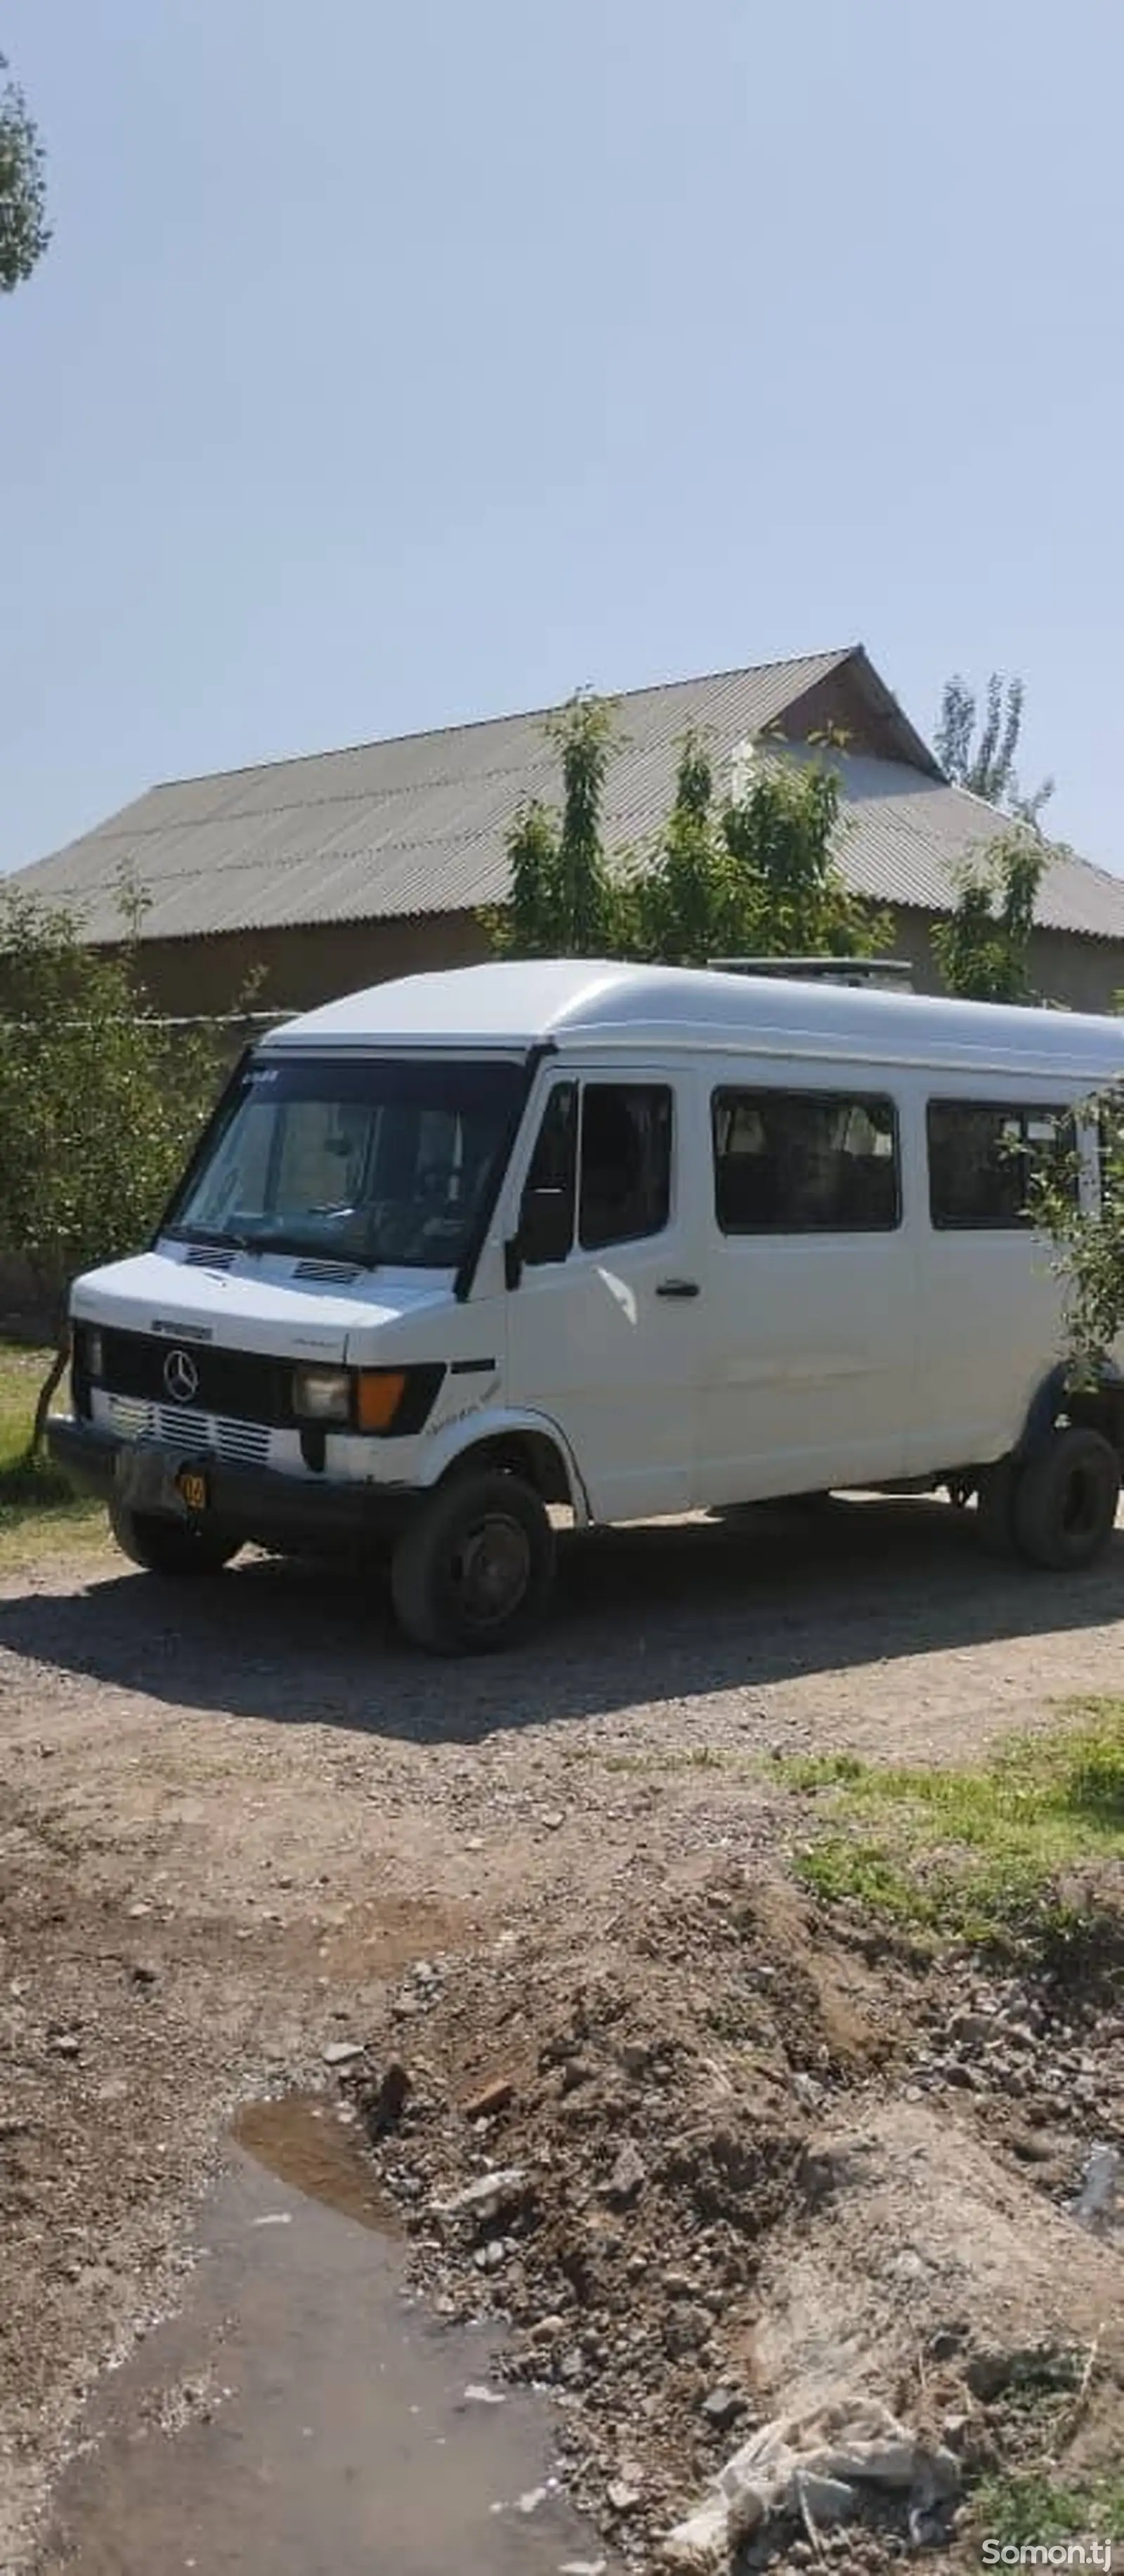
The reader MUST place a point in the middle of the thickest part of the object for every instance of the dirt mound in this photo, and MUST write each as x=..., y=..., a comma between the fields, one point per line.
x=688, y=2162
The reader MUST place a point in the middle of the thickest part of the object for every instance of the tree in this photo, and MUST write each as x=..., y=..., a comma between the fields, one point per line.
x=95, y=1114
x=24, y=229
x=757, y=875
x=983, y=949
x=978, y=749
x=564, y=901
x=1089, y=1242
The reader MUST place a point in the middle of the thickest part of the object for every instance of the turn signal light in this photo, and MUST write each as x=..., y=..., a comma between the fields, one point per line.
x=378, y=1394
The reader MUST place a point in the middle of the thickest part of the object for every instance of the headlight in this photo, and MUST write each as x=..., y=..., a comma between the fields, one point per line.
x=322, y=1394
x=93, y=1354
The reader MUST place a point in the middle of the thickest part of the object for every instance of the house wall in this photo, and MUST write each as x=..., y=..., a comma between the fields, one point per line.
x=199, y=977
x=203, y=977
x=1086, y=974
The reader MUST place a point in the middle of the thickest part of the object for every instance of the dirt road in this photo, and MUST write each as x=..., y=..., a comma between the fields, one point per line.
x=230, y=1816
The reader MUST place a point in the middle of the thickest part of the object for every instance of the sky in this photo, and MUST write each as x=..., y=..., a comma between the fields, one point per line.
x=392, y=366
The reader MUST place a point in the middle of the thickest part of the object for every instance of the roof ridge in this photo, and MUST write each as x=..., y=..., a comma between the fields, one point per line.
x=832, y=658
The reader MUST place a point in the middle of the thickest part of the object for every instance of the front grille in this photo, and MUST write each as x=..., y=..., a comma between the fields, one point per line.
x=241, y=1386
x=242, y=1444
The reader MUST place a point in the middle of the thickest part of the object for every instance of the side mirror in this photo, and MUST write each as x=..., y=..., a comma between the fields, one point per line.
x=546, y=1226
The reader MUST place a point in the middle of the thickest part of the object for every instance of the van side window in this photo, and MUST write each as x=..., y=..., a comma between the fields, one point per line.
x=982, y=1157
x=625, y=1162
x=805, y=1162
x=554, y=1163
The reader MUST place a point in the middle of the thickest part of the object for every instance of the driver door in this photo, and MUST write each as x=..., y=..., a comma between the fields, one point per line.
x=603, y=1336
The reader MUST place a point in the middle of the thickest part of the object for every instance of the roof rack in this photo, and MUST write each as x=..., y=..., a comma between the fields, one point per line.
x=895, y=974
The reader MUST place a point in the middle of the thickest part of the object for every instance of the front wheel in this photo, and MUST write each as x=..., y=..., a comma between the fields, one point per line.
x=474, y=1569
x=166, y=1546
x=1066, y=1499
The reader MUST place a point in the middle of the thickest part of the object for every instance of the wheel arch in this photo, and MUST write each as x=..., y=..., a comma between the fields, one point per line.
x=1097, y=1405
x=527, y=1445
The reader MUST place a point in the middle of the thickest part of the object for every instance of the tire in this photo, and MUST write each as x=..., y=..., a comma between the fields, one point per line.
x=1066, y=1500
x=474, y=1569
x=995, y=1509
x=165, y=1546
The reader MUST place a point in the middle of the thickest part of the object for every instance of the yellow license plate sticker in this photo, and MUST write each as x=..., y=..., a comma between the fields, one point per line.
x=192, y=1485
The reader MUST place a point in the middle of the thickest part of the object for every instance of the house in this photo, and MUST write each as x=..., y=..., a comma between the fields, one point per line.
x=342, y=868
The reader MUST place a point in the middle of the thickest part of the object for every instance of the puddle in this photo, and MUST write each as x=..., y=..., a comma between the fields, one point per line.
x=299, y=2414
x=302, y=2141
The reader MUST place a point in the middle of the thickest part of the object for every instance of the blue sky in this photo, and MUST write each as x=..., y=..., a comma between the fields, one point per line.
x=393, y=366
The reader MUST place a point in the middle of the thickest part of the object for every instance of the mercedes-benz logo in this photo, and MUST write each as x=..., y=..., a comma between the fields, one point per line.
x=181, y=1377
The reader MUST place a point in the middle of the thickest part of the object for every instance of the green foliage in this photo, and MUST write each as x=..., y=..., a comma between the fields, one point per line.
x=564, y=901
x=978, y=1853
x=978, y=748
x=1044, y=2509
x=983, y=949
x=758, y=876
x=24, y=230
x=96, y=1112
x=1089, y=1241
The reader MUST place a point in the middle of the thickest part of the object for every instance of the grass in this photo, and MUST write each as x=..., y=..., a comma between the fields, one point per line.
x=38, y=1512
x=1018, y=2509
x=982, y=1852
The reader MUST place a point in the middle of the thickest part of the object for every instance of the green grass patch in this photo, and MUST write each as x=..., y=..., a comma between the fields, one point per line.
x=1015, y=2510
x=39, y=1514
x=981, y=1852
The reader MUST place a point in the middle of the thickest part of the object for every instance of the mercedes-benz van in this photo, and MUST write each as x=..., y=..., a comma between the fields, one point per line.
x=628, y=1240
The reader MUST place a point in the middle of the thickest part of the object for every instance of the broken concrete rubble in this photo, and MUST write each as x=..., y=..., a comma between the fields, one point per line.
x=815, y=2465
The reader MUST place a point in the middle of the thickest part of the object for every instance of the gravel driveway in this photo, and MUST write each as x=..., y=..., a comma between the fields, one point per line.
x=229, y=1815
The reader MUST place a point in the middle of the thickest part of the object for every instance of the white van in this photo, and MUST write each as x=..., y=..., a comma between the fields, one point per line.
x=630, y=1240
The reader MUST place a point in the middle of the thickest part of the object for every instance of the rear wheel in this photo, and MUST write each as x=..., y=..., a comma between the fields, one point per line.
x=166, y=1546
x=1066, y=1499
x=474, y=1569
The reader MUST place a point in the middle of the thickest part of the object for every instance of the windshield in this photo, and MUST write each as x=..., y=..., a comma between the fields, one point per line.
x=369, y=1162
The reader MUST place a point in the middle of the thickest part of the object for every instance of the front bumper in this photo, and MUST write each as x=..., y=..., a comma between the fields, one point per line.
x=250, y=1503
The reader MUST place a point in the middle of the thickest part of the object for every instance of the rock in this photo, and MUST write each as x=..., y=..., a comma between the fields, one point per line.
x=721, y=2407
x=479, y=2394
x=553, y=1820
x=143, y=1973
x=628, y=2176
x=390, y=2100
x=530, y=2502
x=342, y=2052
x=701, y=2544
x=136, y=1913
x=64, y=2044
x=571, y=2368
x=493, y=2098
x=623, y=2497
x=487, y=2196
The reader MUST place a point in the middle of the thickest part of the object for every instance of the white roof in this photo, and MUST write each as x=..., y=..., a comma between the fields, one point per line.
x=583, y=1003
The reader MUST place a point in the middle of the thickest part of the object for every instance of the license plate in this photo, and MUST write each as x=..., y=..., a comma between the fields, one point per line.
x=149, y=1481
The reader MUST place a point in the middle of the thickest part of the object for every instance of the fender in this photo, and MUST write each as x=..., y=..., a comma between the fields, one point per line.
x=1057, y=1395
x=456, y=1439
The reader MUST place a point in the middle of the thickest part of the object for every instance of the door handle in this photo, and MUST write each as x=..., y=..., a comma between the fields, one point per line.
x=678, y=1288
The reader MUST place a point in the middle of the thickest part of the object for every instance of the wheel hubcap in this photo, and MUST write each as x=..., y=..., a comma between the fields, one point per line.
x=492, y=1570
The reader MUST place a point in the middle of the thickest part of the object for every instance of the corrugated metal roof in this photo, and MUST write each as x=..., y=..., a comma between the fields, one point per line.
x=419, y=825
